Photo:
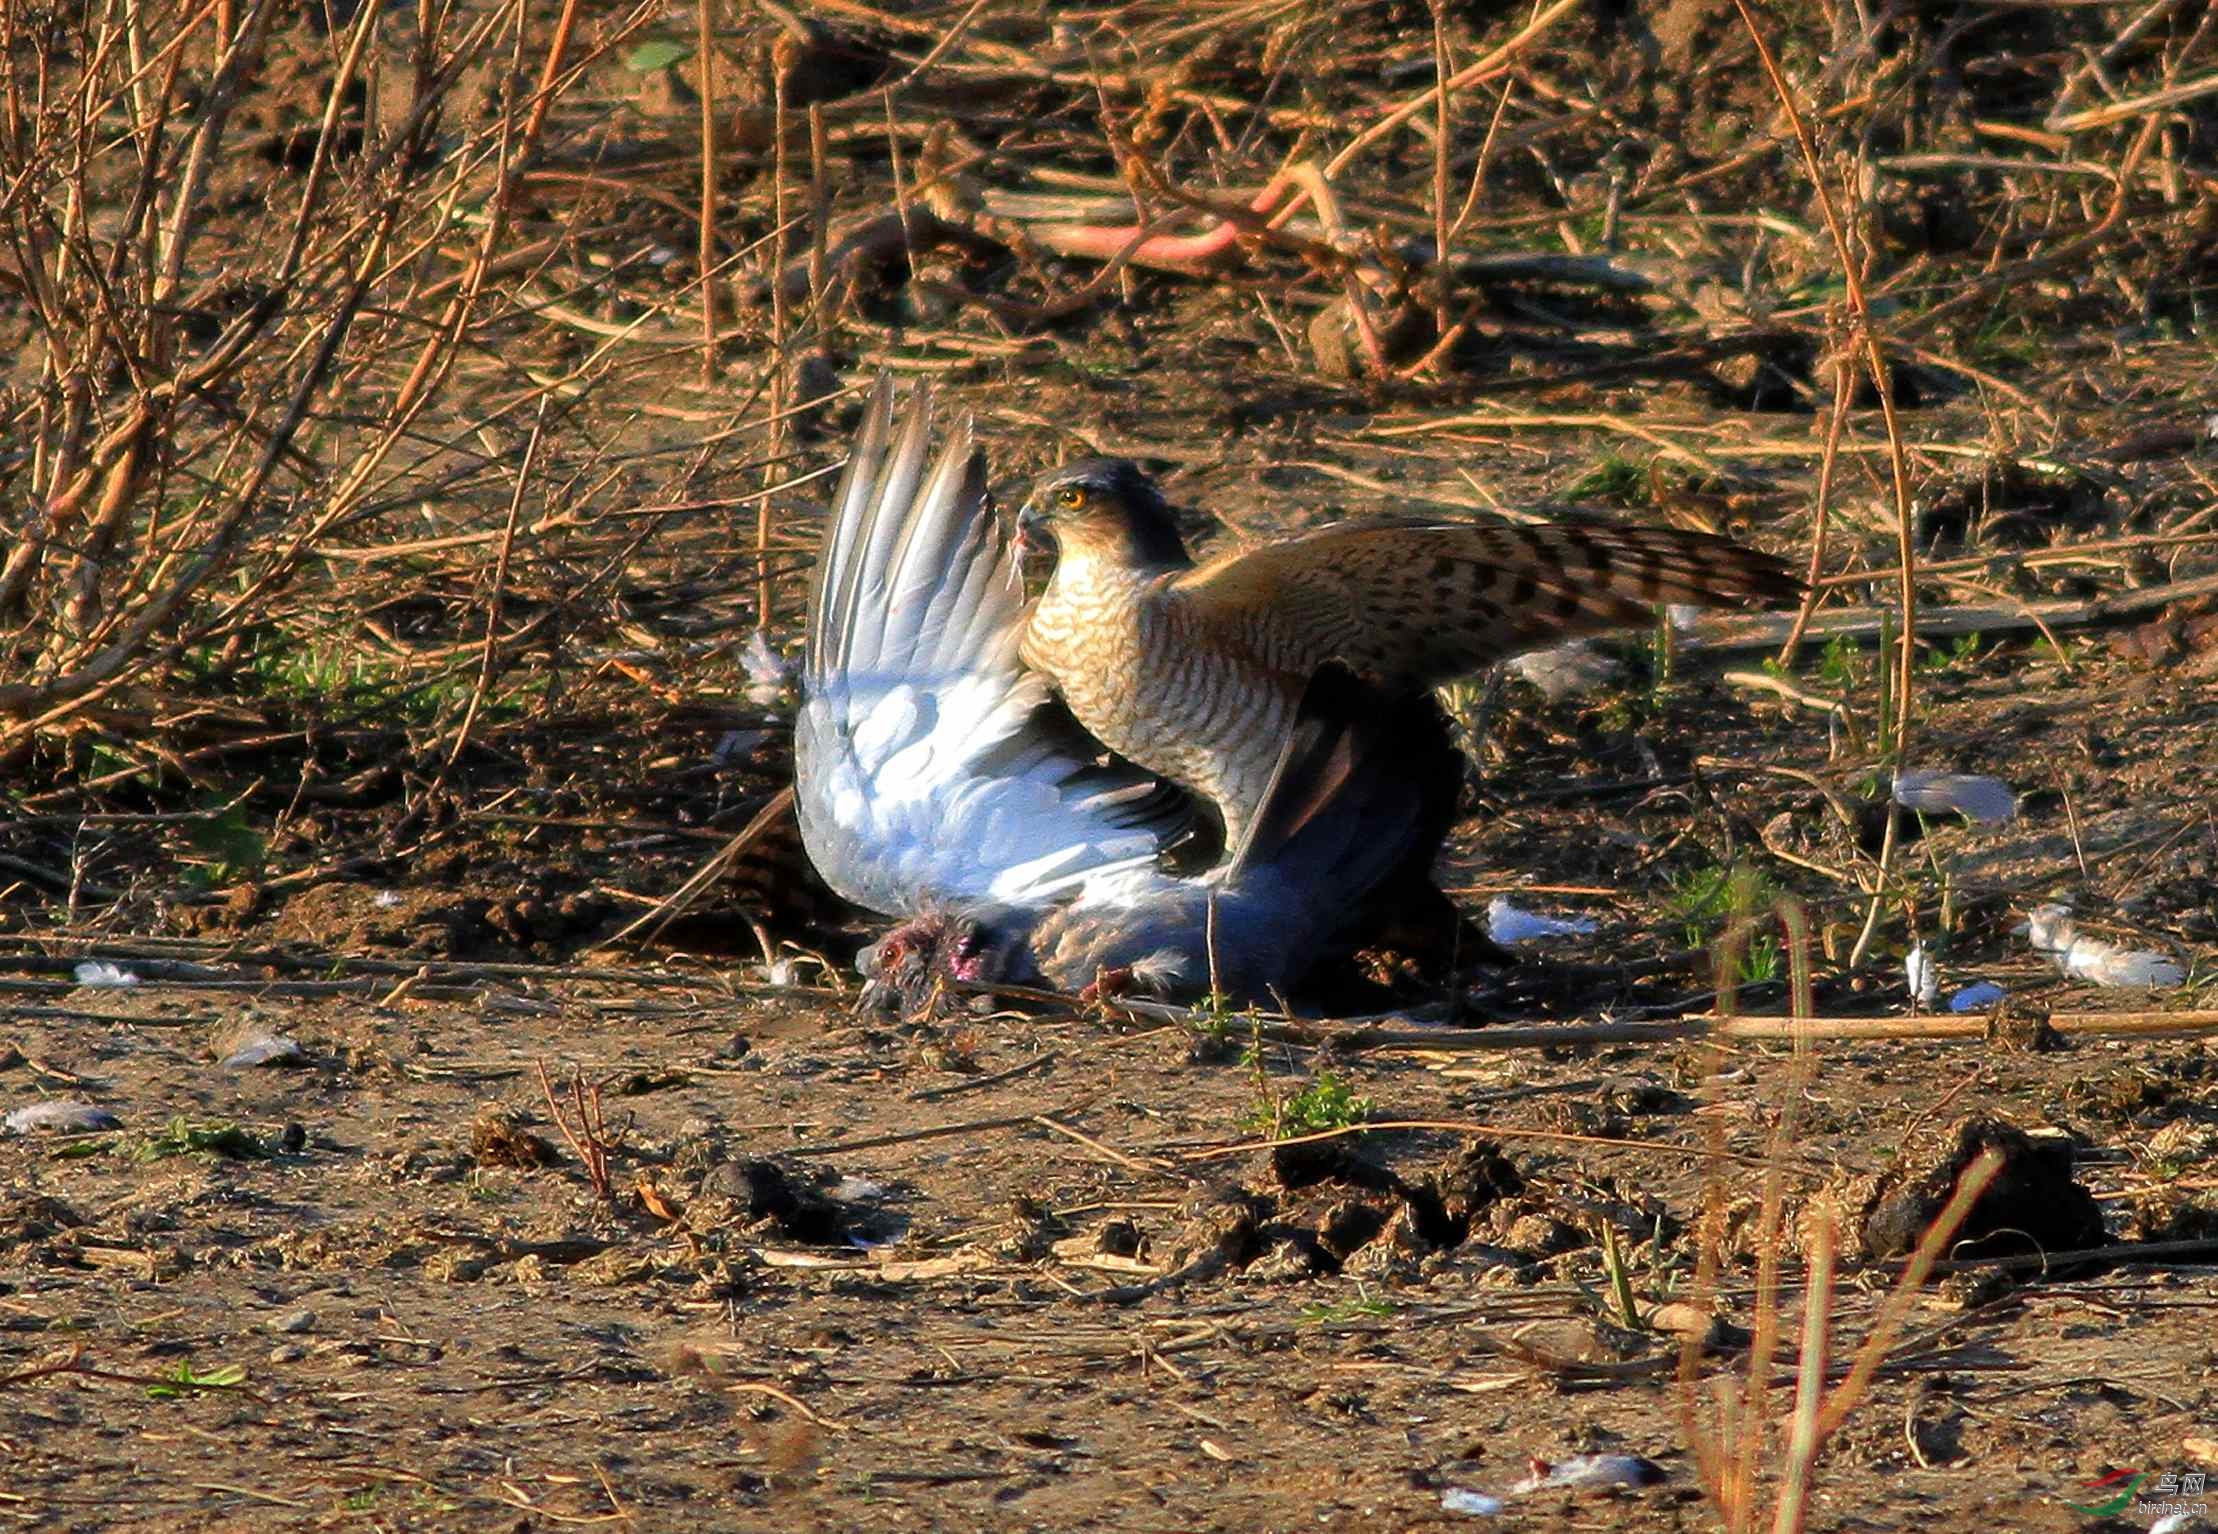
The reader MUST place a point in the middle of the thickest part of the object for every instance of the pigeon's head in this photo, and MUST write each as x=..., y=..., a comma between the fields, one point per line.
x=1105, y=509
x=909, y=967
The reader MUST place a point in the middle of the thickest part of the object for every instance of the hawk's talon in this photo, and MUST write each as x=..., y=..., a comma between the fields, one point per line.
x=1110, y=981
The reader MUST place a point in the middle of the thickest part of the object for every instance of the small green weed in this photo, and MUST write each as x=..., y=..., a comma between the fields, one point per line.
x=2163, y=1169
x=332, y=679
x=1326, y=1104
x=1707, y=901
x=80, y=1150
x=1703, y=898
x=1618, y=1303
x=1626, y=709
x=1614, y=481
x=1829, y=287
x=230, y=850
x=1841, y=663
x=1211, y=1020
x=218, y=1137
x=1624, y=1309
x=183, y=1382
x=1954, y=656
x=1364, y=1307
x=1764, y=960
x=657, y=53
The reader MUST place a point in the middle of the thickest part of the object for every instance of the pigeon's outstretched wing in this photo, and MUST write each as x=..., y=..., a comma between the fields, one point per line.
x=931, y=768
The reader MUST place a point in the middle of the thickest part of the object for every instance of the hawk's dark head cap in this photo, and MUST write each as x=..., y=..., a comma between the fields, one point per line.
x=1106, y=504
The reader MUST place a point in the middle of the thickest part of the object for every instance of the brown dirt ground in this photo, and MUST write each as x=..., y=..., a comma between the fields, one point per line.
x=881, y=1278
x=429, y=1340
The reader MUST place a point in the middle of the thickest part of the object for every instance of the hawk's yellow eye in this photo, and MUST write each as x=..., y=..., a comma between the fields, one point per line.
x=1069, y=497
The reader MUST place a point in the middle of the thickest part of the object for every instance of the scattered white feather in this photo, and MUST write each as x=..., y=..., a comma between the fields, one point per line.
x=1684, y=617
x=1161, y=970
x=264, y=1049
x=385, y=900
x=2177, y=1521
x=1507, y=924
x=1477, y=1504
x=1585, y=1470
x=1979, y=994
x=101, y=975
x=59, y=1118
x=2094, y=960
x=1923, y=974
x=849, y=1189
x=1967, y=794
x=1565, y=670
x=767, y=671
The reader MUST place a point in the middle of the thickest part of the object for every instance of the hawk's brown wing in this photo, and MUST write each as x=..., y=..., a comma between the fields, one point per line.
x=1411, y=603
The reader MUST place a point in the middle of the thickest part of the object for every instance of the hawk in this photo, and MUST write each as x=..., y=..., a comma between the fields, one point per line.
x=1197, y=672
x=940, y=780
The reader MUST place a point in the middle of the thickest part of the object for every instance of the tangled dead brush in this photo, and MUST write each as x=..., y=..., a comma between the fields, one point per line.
x=232, y=307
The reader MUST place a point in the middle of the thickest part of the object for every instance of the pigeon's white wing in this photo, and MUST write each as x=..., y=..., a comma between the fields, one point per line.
x=932, y=768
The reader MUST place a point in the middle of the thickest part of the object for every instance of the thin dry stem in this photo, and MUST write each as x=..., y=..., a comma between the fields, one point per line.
x=704, y=54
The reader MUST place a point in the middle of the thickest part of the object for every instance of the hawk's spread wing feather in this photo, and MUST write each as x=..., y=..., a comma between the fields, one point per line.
x=930, y=768
x=1411, y=603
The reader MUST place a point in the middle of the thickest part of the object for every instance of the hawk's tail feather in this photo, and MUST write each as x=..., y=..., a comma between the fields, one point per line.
x=1585, y=561
x=1411, y=602
x=1443, y=602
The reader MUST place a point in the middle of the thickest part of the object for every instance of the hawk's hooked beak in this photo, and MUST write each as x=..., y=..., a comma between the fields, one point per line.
x=1033, y=536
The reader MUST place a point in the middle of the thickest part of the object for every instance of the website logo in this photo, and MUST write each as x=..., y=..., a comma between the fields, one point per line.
x=2127, y=1481
x=2175, y=1495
